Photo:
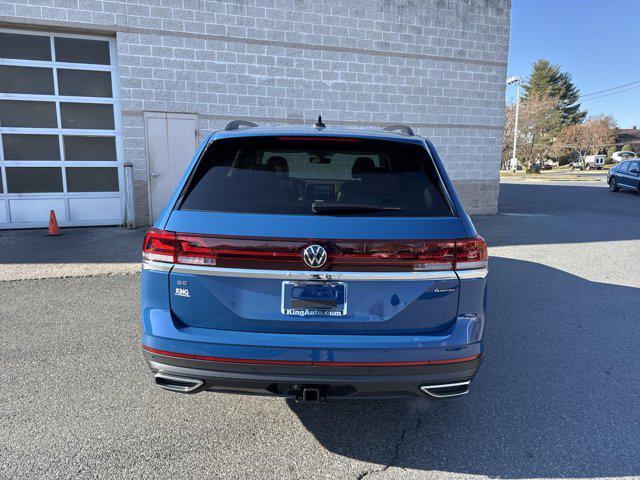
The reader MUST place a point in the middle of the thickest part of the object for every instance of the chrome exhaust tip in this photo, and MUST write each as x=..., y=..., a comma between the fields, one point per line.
x=177, y=384
x=447, y=390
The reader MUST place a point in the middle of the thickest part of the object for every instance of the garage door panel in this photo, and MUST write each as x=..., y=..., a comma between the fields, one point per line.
x=36, y=210
x=84, y=148
x=36, y=80
x=81, y=209
x=28, y=114
x=84, y=83
x=34, y=179
x=25, y=46
x=30, y=147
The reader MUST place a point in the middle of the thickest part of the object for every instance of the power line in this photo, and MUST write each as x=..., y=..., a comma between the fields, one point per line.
x=609, y=89
x=607, y=94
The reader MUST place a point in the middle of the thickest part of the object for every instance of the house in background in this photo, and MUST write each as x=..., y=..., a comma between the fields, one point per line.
x=629, y=136
x=87, y=86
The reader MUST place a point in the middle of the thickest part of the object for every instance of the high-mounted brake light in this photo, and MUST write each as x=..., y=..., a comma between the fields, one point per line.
x=342, y=255
x=320, y=139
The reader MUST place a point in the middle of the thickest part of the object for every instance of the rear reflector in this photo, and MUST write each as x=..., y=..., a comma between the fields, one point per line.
x=254, y=361
x=342, y=255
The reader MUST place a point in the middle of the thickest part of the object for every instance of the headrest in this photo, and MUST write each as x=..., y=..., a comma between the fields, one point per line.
x=279, y=164
x=263, y=168
x=363, y=165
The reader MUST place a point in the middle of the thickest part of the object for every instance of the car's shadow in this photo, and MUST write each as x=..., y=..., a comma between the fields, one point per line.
x=575, y=210
x=557, y=395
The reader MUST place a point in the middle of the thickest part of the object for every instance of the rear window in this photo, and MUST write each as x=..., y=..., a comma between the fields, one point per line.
x=306, y=176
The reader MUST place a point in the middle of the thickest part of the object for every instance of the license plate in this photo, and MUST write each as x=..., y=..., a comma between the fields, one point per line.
x=314, y=299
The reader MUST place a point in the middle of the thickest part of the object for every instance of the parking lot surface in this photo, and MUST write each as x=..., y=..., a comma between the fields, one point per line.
x=557, y=396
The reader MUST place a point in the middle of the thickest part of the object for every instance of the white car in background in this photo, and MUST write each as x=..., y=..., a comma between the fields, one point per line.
x=621, y=155
x=590, y=162
x=594, y=161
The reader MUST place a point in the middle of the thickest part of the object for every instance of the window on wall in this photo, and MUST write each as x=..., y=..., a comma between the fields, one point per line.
x=58, y=119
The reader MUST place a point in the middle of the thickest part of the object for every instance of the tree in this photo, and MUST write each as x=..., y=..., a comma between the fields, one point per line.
x=610, y=151
x=627, y=148
x=507, y=136
x=546, y=80
x=586, y=138
x=538, y=126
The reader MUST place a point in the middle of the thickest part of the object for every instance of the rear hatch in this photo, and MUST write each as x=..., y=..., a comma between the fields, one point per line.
x=317, y=235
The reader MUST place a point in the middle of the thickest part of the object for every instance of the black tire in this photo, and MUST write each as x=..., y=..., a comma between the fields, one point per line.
x=613, y=185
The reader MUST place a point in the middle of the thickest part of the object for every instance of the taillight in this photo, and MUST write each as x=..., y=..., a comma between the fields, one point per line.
x=159, y=246
x=471, y=253
x=342, y=255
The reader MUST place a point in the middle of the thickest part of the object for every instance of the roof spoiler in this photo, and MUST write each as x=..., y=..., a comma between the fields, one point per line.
x=407, y=130
x=237, y=124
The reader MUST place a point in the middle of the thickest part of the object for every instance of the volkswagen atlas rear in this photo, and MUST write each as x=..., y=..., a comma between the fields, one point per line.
x=314, y=263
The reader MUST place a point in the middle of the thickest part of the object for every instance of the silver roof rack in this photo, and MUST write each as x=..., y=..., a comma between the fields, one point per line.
x=237, y=124
x=407, y=130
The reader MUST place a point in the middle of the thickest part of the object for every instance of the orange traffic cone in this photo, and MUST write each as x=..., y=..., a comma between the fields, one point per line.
x=53, y=224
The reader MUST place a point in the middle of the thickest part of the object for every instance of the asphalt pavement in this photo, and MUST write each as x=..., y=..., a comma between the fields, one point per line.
x=557, y=396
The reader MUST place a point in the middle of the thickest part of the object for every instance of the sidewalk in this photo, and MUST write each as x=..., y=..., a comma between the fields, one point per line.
x=31, y=254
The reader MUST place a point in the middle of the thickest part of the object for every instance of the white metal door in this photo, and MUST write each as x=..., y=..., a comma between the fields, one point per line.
x=172, y=139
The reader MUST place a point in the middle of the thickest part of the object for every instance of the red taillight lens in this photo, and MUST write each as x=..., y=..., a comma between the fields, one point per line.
x=159, y=246
x=471, y=253
x=238, y=252
x=342, y=255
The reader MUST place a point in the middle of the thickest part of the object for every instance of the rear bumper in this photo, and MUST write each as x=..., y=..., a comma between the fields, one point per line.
x=333, y=382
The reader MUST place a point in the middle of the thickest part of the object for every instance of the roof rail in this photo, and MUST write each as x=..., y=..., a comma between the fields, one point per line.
x=407, y=130
x=236, y=124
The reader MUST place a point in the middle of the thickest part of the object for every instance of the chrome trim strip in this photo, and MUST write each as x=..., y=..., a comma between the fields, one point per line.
x=309, y=275
x=471, y=274
x=157, y=266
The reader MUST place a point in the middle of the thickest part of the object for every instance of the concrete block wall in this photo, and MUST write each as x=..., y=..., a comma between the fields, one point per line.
x=437, y=65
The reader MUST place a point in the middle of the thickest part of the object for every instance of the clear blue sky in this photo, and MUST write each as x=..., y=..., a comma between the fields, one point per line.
x=596, y=41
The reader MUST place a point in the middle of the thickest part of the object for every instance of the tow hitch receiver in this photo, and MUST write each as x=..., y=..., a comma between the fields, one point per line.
x=309, y=394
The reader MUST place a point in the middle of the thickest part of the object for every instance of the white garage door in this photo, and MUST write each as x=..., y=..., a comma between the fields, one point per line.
x=60, y=144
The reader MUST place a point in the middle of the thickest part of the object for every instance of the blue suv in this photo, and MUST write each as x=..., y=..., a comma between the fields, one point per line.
x=314, y=263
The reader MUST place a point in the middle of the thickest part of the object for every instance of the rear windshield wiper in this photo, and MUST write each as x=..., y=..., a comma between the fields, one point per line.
x=334, y=207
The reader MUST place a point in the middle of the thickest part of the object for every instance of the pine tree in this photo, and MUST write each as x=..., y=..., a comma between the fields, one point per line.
x=547, y=80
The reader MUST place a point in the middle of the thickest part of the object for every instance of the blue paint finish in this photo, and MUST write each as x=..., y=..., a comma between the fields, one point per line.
x=386, y=321
x=154, y=297
x=309, y=226
x=250, y=304
x=457, y=341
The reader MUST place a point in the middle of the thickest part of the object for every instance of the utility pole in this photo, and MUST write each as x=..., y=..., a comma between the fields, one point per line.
x=517, y=81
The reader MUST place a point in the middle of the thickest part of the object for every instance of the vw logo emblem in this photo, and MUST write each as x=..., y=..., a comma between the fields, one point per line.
x=314, y=256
